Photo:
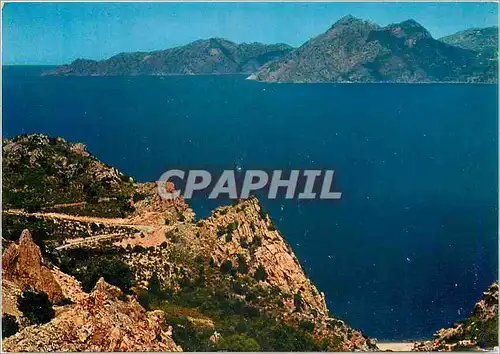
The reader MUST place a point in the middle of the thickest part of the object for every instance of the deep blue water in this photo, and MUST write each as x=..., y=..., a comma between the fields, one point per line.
x=412, y=244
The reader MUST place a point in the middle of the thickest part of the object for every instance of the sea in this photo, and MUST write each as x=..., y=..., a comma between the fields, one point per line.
x=413, y=242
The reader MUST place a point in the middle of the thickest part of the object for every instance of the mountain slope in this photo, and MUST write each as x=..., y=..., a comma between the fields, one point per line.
x=227, y=282
x=210, y=56
x=51, y=174
x=481, y=40
x=353, y=50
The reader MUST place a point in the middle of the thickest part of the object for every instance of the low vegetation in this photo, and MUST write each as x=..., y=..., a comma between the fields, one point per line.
x=36, y=307
x=9, y=326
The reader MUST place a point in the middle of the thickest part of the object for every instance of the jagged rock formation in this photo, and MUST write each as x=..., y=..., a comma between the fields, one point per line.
x=155, y=210
x=52, y=174
x=256, y=240
x=23, y=264
x=10, y=293
x=244, y=233
x=210, y=56
x=103, y=321
x=228, y=248
x=481, y=40
x=479, y=331
x=353, y=50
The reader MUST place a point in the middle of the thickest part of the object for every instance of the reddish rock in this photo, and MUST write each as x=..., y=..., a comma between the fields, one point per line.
x=103, y=321
x=23, y=264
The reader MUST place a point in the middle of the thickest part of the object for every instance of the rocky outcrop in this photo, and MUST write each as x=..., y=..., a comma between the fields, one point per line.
x=23, y=264
x=10, y=294
x=245, y=233
x=154, y=210
x=103, y=321
x=43, y=173
x=255, y=238
x=479, y=331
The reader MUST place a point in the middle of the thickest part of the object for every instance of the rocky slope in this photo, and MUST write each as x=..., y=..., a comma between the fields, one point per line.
x=353, y=50
x=210, y=56
x=227, y=282
x=42, y=173
x=479, y=331
x=104, y=320
x=157, y=280
x=481, y=40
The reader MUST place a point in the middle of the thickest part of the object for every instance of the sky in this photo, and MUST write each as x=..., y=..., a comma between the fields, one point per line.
x=58, y=33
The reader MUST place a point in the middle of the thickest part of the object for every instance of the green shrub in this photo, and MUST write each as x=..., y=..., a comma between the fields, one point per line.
x=491, y=333
x=226, y=266
x=307, y=326
x=244, y=242
x=257, y=241
x=221, y=231
x=297, y=301
x=232, y=226
x=260, y=273
x=238, y=343
x=36, y=307
x=9, y=326
x=113, y=270
x=154, y=285
x=242, y=265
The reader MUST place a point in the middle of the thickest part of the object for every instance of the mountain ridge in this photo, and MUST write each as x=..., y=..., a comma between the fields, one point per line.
x=203, y=56
x=482, y=40
x=353, y=50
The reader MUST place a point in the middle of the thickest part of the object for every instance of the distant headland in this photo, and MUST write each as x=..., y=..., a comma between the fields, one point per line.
x=350, y=51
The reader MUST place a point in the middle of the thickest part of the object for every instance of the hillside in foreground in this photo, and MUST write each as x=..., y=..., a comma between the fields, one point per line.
x=81, y=272
x=140, y=274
